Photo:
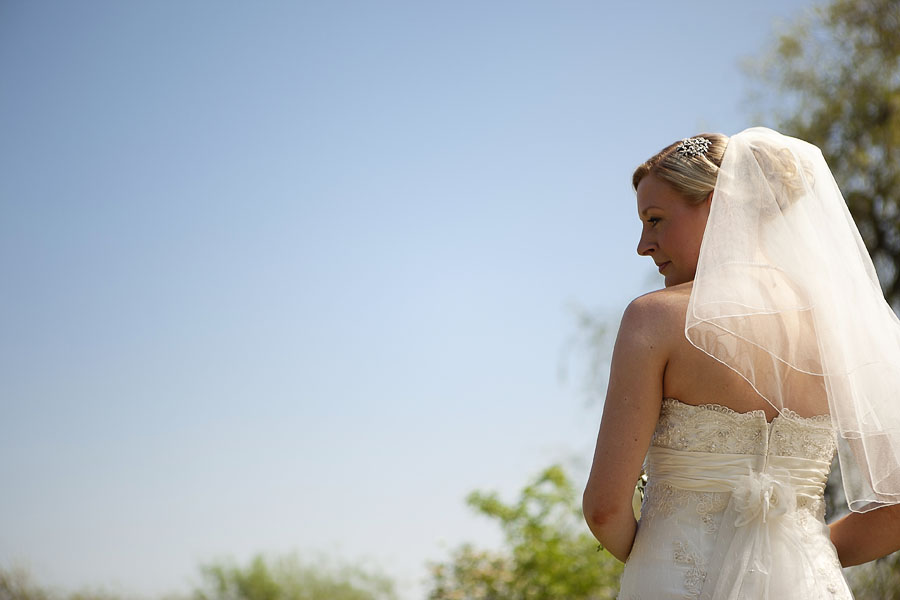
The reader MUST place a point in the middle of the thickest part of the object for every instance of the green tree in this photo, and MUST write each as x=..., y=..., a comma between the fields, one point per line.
x=290, y=579
x=548, y=552
x=877, y=580
x=836, y=80
x=17, y=584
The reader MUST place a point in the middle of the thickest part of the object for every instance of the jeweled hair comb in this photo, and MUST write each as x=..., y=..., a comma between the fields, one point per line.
x=693, y=146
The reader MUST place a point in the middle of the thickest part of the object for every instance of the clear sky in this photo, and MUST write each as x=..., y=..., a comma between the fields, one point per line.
x=282, y=276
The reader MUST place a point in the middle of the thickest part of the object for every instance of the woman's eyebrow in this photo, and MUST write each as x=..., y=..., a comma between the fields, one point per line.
x=644, y=212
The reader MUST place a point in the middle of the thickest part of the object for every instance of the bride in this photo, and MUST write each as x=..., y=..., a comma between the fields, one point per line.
x=770, y=350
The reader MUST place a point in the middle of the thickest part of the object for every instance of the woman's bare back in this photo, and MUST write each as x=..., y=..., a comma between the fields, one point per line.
x=694, y=377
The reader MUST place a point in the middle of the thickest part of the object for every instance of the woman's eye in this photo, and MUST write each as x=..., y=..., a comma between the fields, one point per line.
x=653, y=220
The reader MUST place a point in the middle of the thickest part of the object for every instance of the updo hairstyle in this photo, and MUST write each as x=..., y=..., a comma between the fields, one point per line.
x=788, y=176
x=694, y=177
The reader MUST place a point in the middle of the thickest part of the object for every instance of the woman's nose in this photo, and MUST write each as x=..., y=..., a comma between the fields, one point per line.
x=644, y=247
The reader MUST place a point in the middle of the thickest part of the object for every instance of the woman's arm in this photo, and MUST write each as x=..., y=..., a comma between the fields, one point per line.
x=630, y=413
x=861, y=537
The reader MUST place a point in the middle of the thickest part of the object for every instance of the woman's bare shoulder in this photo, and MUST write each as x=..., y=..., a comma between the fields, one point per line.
x=664, y=303
x=658, y=315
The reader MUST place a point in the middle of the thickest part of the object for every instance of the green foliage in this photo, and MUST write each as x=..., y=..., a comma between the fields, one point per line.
x=548, y=552
x=283, y=579
x=837, y=77
x=16, y=584
x=591, y=346
x=289, y=579
x=877, y=580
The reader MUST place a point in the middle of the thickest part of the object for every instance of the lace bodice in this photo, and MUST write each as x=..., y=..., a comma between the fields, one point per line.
x=724, y=485
x=716, y=428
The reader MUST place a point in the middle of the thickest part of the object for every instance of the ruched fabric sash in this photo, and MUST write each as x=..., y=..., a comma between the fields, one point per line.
x=760, y=550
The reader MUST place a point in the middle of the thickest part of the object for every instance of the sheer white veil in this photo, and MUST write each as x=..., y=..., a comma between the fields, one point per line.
x=786, y=295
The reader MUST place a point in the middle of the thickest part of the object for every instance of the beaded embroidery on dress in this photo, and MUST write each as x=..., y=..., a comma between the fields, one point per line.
x=734, y=509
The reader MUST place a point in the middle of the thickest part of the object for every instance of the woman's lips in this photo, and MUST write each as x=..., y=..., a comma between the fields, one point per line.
x=663, y=266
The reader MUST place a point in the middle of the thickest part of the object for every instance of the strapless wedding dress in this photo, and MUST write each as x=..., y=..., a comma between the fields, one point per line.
x=734, y=509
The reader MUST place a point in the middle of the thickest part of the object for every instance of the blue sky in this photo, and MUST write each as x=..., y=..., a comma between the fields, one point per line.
x=299, y=276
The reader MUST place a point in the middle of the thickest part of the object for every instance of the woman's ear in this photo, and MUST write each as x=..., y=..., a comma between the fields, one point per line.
x=709, y=200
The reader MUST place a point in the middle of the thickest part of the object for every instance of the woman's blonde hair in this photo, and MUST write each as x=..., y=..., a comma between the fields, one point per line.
x=691, y=175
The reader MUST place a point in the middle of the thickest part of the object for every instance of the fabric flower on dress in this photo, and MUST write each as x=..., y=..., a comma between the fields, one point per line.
x=763, y=495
